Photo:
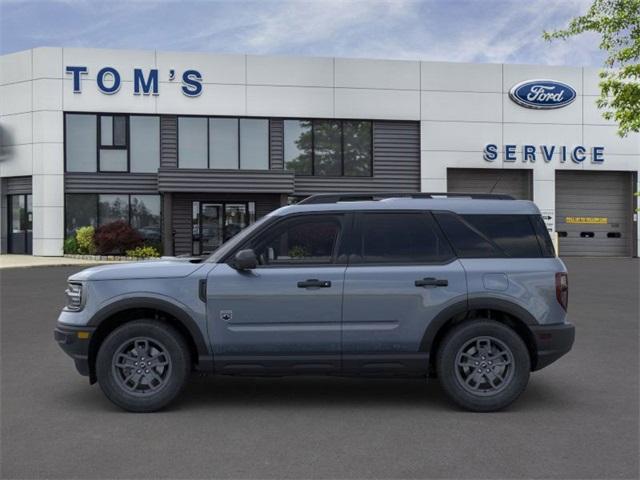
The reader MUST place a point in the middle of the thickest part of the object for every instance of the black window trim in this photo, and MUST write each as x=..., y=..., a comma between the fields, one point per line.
x=357, y=235
x=239, y=143
x=342, y=121
x=123, y=194
x=128, y=115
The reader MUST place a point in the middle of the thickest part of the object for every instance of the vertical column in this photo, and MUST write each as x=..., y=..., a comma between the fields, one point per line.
x=3, y=216
x=636, y=213
x=167, y=224
x=433, y=171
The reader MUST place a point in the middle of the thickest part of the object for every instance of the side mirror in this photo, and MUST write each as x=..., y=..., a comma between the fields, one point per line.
x=245, y=260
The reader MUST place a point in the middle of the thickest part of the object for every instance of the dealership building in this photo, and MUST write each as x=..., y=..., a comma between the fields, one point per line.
x=189, y=148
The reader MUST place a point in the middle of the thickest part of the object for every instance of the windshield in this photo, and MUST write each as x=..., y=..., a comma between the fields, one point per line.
x=233, y=242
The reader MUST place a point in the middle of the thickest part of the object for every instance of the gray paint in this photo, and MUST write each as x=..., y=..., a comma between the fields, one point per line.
x=168, y=141
x=18, y=185
x=396, y=164
x=110, y=183
x=595, y=194
x=225, y=181
x=517, y=183
x=276, y=144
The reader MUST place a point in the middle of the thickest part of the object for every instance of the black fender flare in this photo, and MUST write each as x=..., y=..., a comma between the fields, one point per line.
x=465, y=306
x=204, y=356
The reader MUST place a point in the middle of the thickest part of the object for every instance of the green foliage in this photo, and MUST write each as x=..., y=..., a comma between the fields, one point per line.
x=618, y=23
x=71, y=245
x=298, y=251
x=84, y=238
x=143, y=252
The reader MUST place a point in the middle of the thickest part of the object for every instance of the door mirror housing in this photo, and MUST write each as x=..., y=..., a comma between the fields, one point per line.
x=245, y=260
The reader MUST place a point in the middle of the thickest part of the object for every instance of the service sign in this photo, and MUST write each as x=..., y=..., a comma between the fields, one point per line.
x=542, y=94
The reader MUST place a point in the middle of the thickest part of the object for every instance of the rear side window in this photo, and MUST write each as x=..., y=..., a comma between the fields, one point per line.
x=546, y=245
x=467, y=242
x=514, y=234
x=398, y=237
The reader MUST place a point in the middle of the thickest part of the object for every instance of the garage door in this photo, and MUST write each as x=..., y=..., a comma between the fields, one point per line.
x=517, y=183
x=594, y=213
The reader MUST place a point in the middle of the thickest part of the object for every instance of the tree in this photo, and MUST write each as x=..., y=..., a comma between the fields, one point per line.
x=618, y=23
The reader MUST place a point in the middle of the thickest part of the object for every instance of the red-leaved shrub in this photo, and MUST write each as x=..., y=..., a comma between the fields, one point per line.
x=116, y=237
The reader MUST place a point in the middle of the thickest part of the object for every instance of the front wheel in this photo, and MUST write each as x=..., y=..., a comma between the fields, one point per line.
x=483, y=365
x=143, y=365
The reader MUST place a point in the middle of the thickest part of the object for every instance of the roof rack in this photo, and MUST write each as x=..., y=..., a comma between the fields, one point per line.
x=361, y=197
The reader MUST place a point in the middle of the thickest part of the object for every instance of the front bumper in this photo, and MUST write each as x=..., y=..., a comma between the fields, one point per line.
x=552, y=342
x=75, y=343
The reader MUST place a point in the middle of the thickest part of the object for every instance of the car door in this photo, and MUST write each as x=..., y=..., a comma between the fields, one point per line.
x=285, y=315
x=402, y=273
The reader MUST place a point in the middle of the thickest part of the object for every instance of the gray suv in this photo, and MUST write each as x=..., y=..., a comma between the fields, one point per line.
x=465, y=288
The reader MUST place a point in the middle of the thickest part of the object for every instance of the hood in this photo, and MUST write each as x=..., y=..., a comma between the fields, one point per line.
x=167, y=267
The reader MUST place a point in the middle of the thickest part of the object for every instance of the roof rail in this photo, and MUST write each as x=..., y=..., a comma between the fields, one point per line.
x=360, y=197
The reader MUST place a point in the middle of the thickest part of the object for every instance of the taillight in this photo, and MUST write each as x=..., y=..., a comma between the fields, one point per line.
x=562, y=289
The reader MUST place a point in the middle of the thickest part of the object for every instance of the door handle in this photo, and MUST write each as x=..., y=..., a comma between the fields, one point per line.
x=314, y=283
x=432, y=282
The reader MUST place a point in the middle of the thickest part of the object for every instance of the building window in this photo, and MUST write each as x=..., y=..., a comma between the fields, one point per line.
x=297, y=146
x=80, y=142
x=223, y=143
x=330, y=148
x=254, y=144
x=145, y=143
x=112, y=143
x=192, y=142
x=142, y=212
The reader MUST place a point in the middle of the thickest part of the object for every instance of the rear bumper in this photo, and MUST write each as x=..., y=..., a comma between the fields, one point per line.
x=552, y=342
x=74, y=345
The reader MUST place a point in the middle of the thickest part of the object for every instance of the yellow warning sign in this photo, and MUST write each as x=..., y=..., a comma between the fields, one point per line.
x=587, y=220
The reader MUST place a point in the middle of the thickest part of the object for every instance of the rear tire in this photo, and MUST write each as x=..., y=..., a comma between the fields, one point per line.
x=483, y=365
x=143, y=365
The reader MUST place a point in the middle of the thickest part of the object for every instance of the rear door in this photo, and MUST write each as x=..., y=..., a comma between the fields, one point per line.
x=402, y=273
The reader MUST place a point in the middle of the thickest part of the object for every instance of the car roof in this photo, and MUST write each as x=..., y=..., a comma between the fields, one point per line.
x=500, y=205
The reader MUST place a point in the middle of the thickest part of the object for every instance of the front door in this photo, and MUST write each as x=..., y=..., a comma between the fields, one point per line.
x=20, y=221
x=211, y=227
x=285, y=315
x=402, y=274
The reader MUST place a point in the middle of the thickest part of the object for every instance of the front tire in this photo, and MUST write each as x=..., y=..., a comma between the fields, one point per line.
x=483, y=365
x=143, y=365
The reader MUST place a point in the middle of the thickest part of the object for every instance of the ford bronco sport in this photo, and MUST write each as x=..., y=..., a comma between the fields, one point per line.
x=465, y=288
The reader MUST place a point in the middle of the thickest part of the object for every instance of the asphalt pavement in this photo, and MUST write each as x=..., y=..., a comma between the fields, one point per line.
x=579, y=417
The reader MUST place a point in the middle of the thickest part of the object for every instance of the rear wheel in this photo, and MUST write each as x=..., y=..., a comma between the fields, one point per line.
x=483, y=365
x=143, y=365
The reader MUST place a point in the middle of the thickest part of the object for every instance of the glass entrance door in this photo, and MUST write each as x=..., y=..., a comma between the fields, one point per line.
x=20, y=222
x=215, y=223
x=211, y=227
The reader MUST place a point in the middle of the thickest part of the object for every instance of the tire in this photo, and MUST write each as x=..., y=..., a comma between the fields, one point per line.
x=483, y=365
x=143, y=365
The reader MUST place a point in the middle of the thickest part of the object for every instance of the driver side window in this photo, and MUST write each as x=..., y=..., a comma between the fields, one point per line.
x=304, y=240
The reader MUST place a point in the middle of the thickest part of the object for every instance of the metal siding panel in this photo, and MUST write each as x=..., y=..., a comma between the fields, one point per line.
x=594, y=194
x=18, y=185
x=276, y=144
x=110, y=183
x=225, y=181
x=168, y=141
x=517, y=183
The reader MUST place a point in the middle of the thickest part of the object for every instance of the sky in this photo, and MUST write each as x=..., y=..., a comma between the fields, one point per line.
x=487, y=31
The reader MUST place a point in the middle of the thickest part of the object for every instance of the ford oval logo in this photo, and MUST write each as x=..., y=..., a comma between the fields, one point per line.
x=542, y=94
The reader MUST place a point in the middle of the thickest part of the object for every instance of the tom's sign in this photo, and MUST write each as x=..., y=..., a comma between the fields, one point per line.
x=542, y=94
x=108, y=80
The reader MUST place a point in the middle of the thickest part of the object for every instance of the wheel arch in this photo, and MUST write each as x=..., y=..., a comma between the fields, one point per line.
x=505, y=312
x=120, y=312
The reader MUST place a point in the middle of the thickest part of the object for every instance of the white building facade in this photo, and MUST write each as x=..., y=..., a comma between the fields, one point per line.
x=190, y=147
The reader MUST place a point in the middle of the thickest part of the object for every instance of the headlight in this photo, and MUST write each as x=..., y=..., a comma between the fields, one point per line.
x=74, y=297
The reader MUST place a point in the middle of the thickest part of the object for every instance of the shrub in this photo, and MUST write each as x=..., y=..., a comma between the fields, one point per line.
x=85, y=240
x=143, y=252
x=70, y=245
x=116, y=237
